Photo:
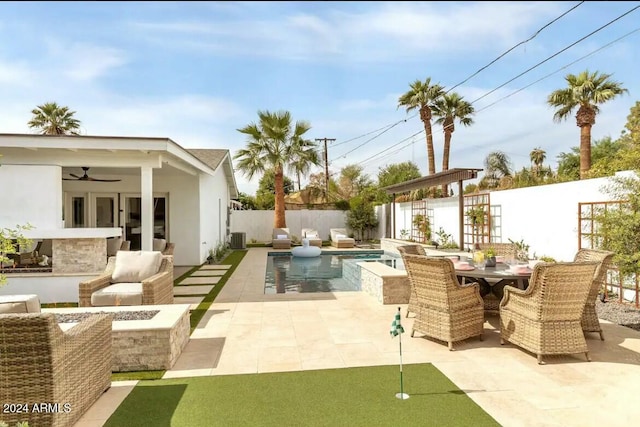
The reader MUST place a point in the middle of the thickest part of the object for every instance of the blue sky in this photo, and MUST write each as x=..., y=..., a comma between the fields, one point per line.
x=195, y=72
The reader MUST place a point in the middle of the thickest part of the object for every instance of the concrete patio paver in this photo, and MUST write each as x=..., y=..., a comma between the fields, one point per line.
x=246, y=331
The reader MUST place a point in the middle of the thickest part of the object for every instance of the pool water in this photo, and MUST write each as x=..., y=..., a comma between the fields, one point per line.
x=288, y=274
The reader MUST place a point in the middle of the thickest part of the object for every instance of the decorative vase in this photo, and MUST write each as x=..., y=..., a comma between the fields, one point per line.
x=491, y=261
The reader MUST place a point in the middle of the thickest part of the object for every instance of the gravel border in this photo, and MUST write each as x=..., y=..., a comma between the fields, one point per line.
x=622, y=314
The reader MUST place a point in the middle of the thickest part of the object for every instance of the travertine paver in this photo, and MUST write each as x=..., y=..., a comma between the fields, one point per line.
x=215, y=267
x=188, y=299
x=200, y=281
x=192, y=290
x=246, y=331
x=208, y=273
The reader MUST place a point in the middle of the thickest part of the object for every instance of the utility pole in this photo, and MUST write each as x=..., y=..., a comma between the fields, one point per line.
x=326, y=165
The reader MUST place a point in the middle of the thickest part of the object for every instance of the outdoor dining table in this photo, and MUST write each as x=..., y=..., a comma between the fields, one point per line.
x=494, y=279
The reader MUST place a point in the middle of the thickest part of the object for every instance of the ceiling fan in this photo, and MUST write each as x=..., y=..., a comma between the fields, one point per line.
x=86, y=177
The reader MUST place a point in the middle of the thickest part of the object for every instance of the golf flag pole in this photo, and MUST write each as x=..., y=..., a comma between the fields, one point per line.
x=397, y=330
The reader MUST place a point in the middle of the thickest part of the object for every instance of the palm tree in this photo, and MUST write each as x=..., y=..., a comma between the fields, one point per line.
x=274, y=144
x=497, y=167
x=52, y=119
x=422, y=96
x=447, y=109
x=584, y=91
x=537, y=156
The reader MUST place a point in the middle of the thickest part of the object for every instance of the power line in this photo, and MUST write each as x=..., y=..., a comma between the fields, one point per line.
x=556, y=54
x=464, y=81
x=530, y=69
x=515, y=46
x=558, y=70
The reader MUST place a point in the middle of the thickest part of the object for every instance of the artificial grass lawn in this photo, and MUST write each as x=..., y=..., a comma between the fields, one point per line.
x=363, y=396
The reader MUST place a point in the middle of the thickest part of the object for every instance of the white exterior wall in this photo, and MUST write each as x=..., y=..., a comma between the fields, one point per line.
x=214, y=201
x=184, y=216
x=545, y=217
x=31, y=194
x=258, y=225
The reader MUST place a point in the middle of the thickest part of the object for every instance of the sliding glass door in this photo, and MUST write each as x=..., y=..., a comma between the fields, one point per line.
x=132, y=210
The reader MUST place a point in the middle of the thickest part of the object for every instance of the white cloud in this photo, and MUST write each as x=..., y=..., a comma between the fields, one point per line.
x=83, y=61
x=384, y=31
x=16, y=74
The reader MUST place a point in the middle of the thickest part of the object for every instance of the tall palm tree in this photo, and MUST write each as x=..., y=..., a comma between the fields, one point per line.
x=537, y=156
x=422, y=95
x=584, y=92
x=447, y=108
x=273, y=144
x=52, y=119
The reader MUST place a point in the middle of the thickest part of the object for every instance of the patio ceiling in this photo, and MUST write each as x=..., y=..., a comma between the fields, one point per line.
x=440, y=178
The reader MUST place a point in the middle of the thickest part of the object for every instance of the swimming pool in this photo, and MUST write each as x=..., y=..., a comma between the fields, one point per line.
x=329, y=272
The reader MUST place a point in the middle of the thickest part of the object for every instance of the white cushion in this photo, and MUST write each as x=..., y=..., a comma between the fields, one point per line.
x=282, y=236
x=19, y=304
x=312, y=234
x=118, y=294
x=341, y=236
x=113, y=245
x=159, y=244
x=135, y=266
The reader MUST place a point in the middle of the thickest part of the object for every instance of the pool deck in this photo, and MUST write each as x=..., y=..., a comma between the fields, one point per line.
x=246, y=331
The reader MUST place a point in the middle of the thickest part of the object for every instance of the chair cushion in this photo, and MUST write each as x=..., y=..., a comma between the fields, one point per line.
x=159, y=244
x=19, y=304
x=113, y=245
x=135, y=266
x=311, y=234
x=118, y=294
x=282, y=236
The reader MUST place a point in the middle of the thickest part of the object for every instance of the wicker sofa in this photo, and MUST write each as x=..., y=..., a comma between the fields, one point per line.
x=42, y=365
x=127, y=281
x=545, y=318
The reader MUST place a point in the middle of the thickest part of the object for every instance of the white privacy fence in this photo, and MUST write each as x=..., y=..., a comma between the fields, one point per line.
x=545, y=217
x=258, y=225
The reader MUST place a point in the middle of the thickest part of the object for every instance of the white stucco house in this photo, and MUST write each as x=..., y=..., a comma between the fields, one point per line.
x=145, y=188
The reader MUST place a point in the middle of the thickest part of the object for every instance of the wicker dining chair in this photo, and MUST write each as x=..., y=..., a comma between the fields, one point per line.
x=446, y=310
x=590, y=321
x=40, y=364
x=507, y=250
x=413, y=250
x=545, y=318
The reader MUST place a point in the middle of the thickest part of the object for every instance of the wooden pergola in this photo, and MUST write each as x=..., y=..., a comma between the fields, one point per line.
x=447, y=177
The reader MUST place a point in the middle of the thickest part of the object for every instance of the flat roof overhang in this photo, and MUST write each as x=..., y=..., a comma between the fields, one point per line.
x=440, y=178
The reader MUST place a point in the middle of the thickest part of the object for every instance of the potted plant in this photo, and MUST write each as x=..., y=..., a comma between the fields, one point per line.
x=211, y=256
x=490, y=256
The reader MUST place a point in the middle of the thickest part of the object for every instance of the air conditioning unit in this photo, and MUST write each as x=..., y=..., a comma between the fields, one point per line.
x=238, y=240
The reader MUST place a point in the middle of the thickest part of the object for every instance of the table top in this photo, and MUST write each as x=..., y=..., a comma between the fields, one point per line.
x=500, y=271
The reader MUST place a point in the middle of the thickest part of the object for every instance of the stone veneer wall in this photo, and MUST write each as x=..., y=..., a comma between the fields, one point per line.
x=150, y=350
x=87, y=255
x=386, y=284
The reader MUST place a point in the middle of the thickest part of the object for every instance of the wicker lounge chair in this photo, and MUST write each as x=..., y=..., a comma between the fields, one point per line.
x=590, y=321
x=545, y=318
x=313, y=237
x=281, y=238
x=412, y=250
x=340, y=238
x=42, y=365
x=446, y=310
x=118, y=286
